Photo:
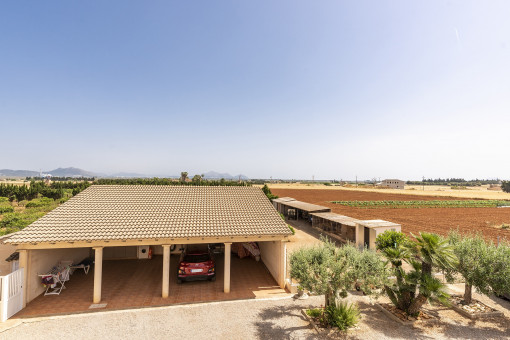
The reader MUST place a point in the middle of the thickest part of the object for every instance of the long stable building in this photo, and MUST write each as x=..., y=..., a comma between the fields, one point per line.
x=339, y=227
x=290, y=207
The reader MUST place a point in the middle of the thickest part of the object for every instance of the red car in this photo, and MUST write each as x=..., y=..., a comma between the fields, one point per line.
x=196, y=266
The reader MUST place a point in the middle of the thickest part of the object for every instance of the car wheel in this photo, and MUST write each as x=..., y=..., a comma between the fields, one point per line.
x=213, y=278
x=179, y=281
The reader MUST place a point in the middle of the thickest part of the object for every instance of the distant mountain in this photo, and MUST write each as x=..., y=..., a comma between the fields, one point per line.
x=70, y=172
x=60, y=172
x=75, y=172
x=219, y=175
x=18, y=173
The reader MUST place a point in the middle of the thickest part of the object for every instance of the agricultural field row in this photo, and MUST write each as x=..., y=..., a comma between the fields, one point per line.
x=425, y=204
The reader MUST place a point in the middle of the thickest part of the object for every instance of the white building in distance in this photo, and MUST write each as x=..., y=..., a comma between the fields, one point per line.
x=393, y=183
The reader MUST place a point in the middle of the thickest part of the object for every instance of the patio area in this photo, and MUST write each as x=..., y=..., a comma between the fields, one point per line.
x=137, y=283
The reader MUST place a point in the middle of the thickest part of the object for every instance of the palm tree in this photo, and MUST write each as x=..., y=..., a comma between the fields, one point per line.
x=412, y=289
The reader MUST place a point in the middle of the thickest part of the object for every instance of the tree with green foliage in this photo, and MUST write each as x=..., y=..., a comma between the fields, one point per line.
x=184, y=176
x=505, y=186
x=499, y=262
x=332, y=271
x=412, y=289
x=268, y=192
x=390, y=239
x=197, y=180
x=473, y=253
x=483, y=265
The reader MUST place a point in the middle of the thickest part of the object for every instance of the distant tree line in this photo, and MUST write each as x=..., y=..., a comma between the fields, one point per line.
x=196, y=180
x=454, y=182
x=62, y=179
x=28, y=192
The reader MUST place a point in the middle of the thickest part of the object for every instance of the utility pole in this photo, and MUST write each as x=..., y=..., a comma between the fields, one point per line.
x=356, y=181
x=423, y=182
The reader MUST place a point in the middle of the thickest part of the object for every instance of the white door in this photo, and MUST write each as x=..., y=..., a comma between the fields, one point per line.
x=12, y=294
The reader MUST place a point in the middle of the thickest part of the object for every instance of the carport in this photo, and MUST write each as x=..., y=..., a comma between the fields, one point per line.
x=137, y=216
x=137, y=283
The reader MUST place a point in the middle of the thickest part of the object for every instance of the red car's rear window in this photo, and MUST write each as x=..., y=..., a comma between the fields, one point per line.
x=196, y=258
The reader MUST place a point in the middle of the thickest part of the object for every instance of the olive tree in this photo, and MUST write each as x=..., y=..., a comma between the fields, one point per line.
x=473, y=255
x=483, y=265
x=332, y=271
x=499, y=263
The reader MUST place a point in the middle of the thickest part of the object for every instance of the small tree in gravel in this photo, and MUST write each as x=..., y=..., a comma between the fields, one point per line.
x=482, y=264
x=473, y=255
x=332, y=271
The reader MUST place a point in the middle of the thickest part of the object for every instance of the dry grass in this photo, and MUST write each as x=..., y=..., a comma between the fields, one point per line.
x=432, y=190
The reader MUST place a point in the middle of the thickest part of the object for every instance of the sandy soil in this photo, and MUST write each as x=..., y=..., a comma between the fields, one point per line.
x=433, y=190
x=413, y=220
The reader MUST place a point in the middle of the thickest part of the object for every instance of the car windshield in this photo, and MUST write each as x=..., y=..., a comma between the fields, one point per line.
x=196, y=258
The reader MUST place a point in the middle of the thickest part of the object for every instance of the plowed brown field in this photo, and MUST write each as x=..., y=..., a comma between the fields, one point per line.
x=413, y=220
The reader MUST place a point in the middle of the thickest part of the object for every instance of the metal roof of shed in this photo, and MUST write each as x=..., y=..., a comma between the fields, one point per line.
x=342, y=219
x=308, y=207
x=374, y=224
x=283, y=199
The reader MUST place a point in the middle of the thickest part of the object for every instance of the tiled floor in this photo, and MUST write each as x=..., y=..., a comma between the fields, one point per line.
x=137, y=283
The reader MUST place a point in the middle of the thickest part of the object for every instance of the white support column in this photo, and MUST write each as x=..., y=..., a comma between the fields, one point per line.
x=23, y=263
x=283, y=264
x=166, y=271
x=226, y=280
x=98, y=273
x=360, y=235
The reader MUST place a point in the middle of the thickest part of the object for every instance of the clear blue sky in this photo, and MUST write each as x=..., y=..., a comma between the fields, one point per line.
x=287, y=89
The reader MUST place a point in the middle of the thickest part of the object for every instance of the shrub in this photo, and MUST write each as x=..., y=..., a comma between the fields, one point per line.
x=268, y=193
x=343, y=315
x=292, y=229
x=6, y=209
x=390, y=239
x=315, y=312
x=41, y=202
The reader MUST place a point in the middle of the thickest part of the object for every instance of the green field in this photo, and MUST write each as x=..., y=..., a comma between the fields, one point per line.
x=425, y=204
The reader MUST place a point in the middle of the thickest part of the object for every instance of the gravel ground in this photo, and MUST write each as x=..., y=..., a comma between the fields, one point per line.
x=251, y=319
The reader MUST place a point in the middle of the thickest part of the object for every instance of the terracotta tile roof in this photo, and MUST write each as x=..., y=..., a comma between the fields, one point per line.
x=127, y=212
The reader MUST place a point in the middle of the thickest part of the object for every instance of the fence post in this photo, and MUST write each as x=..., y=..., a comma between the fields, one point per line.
x=4, y=297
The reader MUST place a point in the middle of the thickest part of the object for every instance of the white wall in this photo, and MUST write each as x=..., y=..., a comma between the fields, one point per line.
x=40, y=261
x=270, y=254
x=117, y=253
